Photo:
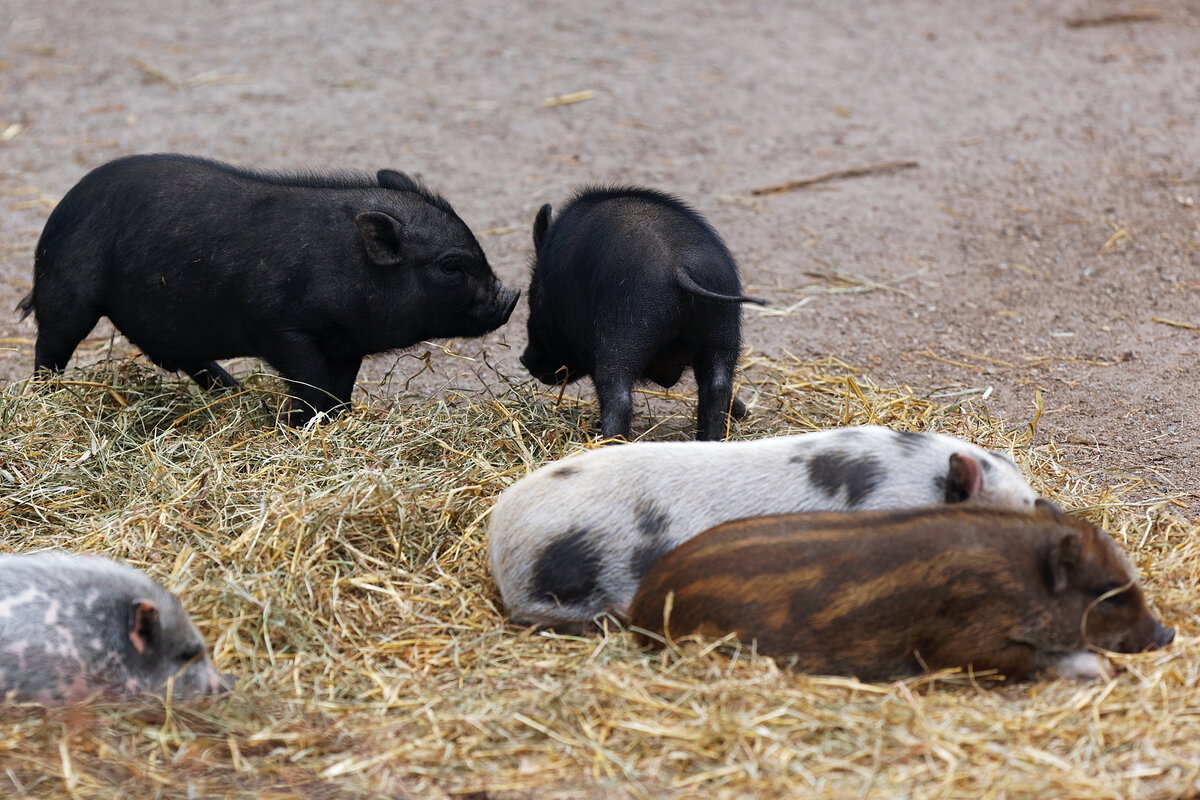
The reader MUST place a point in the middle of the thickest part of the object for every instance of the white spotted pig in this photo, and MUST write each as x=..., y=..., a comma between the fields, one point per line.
x=571, y=540
x=887, y=594
x=72, y=626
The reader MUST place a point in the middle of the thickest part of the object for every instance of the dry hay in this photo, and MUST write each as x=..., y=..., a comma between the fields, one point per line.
x=341, y=572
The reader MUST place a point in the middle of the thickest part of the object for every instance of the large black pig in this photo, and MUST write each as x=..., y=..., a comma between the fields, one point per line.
x=195, y=261
x=632, y=284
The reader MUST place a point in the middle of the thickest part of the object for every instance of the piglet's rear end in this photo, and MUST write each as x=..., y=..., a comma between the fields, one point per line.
x=880, y=595
x=632, y=284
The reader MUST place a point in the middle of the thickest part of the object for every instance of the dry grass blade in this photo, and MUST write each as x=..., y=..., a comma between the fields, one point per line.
x=568, y=99
x=341, y=572
x=835, y=281
x=1175, y=324
x=838, y=174
x=1143, y=15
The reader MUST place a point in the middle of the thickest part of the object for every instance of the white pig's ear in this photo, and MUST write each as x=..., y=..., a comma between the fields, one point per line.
x=381, y=237
x=963, y=479
x=143, y=625
x=540, y=225
x=1061, y=560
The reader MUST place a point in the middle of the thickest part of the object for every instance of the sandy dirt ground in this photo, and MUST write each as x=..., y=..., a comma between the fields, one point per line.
x=1048, y=239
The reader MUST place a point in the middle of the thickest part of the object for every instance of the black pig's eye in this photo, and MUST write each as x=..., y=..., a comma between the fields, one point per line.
x=189, y=654
x=1114, y=593
x=452, y=268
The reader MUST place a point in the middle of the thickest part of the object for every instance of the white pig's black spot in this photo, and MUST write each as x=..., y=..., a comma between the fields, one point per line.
x=643, y=558
x=564, y=472
x=860, y=475
x=568, y=569
x=652, y=521
x=909, y=441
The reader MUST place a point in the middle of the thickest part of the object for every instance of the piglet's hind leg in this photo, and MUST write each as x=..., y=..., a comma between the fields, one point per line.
x=714, y=384
x=210, y=376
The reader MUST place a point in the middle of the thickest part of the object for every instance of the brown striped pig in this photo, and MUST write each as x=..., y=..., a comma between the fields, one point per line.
x=886, y=594
x=72, y=626
x=571, y=540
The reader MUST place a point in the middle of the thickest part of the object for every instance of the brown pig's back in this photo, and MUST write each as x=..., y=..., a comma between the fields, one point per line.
x=874, y=594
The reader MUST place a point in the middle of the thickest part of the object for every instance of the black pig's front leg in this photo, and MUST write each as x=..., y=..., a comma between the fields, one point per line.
x=342, y=373
x=301, y=362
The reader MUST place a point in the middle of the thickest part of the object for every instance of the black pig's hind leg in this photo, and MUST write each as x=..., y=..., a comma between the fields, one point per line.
x=58, y=336
x=614, y=389
x=210, y=376
x=714, y=385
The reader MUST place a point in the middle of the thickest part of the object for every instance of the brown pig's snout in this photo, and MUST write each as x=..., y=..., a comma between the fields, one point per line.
x=1162, y=637
x=1145, y=637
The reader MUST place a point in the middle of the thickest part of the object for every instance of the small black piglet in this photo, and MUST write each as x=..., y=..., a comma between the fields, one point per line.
x=195, y=261
x=632, y=284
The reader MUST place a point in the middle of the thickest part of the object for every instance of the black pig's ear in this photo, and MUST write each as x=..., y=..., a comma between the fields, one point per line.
x=143, y=625
x=540, y=225
x=1061, y=560
x=963, y=479
x=381, y=237
x=391, y=179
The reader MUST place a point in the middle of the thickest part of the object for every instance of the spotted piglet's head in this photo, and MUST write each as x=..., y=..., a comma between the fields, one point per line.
x=987, y=478
x=165, y=646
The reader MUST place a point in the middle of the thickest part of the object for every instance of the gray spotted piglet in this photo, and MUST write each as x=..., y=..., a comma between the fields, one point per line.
x=72, y=626
x=571, y=540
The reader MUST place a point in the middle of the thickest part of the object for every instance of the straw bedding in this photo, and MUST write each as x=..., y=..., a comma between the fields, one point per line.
x=341, y=573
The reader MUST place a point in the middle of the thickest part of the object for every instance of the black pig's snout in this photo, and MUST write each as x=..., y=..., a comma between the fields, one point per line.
x=492, y=312
x=508, y=299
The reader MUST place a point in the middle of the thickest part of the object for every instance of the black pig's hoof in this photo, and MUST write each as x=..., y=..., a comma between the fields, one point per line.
x=44, y=379
x=211, y=377
x=298, y=413
x=738, y=410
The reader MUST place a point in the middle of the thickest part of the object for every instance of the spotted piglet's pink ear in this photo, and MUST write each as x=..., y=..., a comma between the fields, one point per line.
x=143, y=625
x=964, y=478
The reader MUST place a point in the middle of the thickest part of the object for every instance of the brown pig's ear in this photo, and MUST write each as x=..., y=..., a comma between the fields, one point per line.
x=1061, y=560
x=964, y=478
x=143, y=625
